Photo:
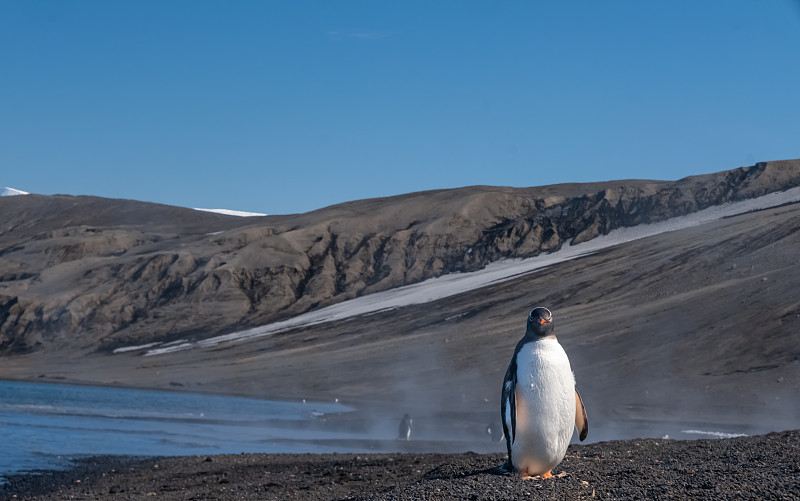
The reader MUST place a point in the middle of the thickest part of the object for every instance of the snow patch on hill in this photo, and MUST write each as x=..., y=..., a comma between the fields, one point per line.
x=10, y=192
x=229, y=212
x=457, y=283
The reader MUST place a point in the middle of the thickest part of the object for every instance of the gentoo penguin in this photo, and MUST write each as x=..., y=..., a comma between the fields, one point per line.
x=540, y=404
x=404, y=432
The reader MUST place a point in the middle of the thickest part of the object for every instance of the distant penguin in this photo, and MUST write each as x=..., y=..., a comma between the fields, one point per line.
x=540, y=404
x=495, y=431
x=404, y=432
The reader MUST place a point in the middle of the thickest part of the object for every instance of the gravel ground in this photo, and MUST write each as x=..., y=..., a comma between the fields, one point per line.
x=759, y=467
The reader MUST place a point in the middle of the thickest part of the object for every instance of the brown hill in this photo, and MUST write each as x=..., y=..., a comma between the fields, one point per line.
x=90, y=273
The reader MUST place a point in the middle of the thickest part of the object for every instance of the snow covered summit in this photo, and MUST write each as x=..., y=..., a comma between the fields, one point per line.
x=229, y=212
x=8, y=192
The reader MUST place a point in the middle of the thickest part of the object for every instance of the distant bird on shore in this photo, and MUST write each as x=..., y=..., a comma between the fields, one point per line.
x=495, y=431
x=540, y=404
x=404, y=432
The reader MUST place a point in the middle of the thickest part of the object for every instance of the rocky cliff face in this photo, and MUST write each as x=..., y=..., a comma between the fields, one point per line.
x=89, y=273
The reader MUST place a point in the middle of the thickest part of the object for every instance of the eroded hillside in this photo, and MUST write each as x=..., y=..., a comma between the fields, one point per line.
x=90, y=273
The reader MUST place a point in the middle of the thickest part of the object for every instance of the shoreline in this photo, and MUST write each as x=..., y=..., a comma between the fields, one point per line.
x=311, y=398
x=171, y=389
x=757, y=467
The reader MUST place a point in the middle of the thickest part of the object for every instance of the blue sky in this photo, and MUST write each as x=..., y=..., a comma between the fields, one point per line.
x=284, y=107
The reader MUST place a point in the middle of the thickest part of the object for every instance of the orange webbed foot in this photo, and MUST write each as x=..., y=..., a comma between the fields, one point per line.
x=526, y=476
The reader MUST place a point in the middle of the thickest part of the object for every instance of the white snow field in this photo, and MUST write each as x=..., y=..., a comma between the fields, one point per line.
x=229, y=212
x=456, y=283
x=10, y=192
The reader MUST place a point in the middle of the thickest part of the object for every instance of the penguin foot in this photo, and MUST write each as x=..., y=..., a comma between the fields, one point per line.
x=503, y=469
x=548, y=474
x=524, y=475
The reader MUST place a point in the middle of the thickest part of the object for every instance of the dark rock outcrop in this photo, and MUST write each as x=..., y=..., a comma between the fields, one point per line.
x=89, y=273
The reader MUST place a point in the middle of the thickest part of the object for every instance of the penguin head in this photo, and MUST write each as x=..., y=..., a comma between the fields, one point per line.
x=540, y=322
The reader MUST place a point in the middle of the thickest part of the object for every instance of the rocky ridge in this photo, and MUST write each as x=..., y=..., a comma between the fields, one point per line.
x=89, y=273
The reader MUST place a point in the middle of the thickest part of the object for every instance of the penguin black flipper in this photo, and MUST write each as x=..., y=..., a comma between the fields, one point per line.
x=508, y=404
x=581, y=419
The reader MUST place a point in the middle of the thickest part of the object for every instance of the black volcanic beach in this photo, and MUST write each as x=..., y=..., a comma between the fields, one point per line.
x=759, y=467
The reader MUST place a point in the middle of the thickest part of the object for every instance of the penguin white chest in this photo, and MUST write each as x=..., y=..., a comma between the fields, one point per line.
x=545, y=407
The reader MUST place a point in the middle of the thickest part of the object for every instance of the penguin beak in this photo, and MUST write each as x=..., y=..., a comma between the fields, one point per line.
x=541, y=320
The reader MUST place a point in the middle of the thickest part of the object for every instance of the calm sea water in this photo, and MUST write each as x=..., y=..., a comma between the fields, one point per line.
x=44, y=426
